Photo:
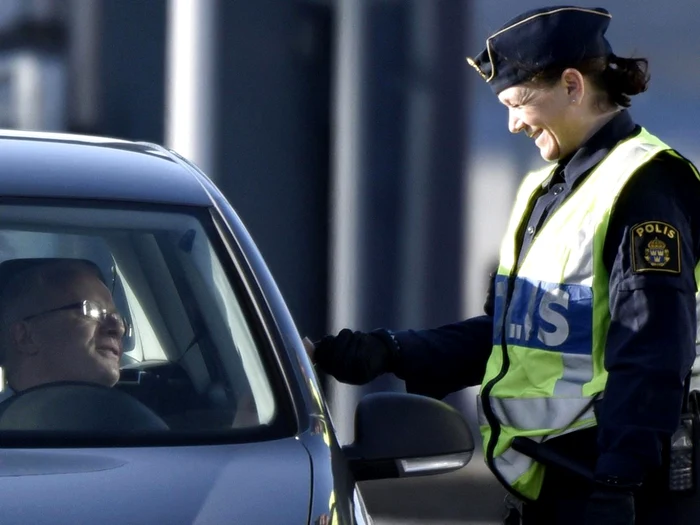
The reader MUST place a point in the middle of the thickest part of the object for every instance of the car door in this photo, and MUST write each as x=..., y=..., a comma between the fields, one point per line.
x=202, y=423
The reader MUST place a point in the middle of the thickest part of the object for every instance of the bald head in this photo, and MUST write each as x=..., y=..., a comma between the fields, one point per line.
x=30, y=289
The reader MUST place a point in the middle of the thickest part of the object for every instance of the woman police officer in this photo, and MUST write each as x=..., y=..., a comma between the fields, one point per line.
x=590, y=334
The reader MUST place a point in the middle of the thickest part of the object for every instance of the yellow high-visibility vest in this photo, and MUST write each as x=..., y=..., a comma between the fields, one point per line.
x=552, y=316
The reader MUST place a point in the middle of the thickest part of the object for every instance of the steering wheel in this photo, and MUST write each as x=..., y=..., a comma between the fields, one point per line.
x=77, y=407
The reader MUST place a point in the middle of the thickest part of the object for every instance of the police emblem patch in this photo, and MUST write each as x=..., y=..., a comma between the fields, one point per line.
x=656, y=247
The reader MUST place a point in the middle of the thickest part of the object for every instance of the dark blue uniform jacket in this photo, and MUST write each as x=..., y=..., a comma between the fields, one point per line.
x=651, y=342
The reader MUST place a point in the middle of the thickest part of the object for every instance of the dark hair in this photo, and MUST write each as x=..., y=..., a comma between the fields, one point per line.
x=615, y=77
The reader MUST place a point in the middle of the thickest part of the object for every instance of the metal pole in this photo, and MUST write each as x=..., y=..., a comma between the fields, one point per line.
x=190, y=83
x=346, y=205
x=85, y=89
x=414, y=263
x=348, y=156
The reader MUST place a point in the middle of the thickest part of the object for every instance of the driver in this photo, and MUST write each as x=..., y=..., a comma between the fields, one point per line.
x=58, y=322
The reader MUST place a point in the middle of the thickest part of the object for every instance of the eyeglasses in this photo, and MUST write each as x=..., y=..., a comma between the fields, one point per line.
x=91, y=310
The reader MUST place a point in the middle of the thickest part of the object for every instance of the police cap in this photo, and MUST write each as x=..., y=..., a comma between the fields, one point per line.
x=540, y=39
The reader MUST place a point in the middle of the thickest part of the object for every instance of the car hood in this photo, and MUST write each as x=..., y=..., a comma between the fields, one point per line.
x=253, y=483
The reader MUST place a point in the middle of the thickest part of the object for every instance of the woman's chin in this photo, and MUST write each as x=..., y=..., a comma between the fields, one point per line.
x=549, y=154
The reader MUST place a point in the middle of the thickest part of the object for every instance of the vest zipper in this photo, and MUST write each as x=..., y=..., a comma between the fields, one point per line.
x=485, y=395
x=486, y=390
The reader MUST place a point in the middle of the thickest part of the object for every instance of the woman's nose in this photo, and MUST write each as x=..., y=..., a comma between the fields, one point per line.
x=515, y=125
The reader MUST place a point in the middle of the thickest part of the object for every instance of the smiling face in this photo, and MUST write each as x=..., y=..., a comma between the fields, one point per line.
x=555, y=117
x=65, y=345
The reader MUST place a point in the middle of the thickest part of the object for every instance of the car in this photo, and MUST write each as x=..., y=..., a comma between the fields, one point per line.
x=218, y=415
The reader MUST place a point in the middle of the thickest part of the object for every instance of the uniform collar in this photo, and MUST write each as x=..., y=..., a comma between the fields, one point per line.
x=594, y=150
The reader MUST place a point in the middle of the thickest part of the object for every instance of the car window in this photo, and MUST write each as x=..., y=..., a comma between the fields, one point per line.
x=190, y=354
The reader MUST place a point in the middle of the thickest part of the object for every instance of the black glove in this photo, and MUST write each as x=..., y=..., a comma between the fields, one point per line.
x=610, y=507
x=356, y=357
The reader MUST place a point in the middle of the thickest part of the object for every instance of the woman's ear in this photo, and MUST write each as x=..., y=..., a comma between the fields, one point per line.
x=572, y=81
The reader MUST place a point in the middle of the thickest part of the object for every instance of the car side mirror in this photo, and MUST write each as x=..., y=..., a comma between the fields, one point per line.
x=400, y=435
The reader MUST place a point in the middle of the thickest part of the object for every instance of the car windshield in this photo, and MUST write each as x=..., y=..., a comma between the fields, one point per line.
x=168, y=344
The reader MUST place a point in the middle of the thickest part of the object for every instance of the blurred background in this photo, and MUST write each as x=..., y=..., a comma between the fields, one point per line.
x=370, y=163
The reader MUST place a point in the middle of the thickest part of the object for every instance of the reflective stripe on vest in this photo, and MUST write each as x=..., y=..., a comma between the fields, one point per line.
x=537, y=413
x=555, y=322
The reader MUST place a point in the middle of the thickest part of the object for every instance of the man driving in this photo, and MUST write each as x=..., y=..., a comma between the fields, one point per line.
x=58, y=322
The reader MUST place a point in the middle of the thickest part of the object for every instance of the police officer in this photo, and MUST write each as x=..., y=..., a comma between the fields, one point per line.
x=590, y=331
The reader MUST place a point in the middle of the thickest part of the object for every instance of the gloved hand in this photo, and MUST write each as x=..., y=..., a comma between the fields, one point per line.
x=610, y=507
x=356, y=357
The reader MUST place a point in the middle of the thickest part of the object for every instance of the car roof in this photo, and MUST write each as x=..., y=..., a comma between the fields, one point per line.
x=38, y=164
